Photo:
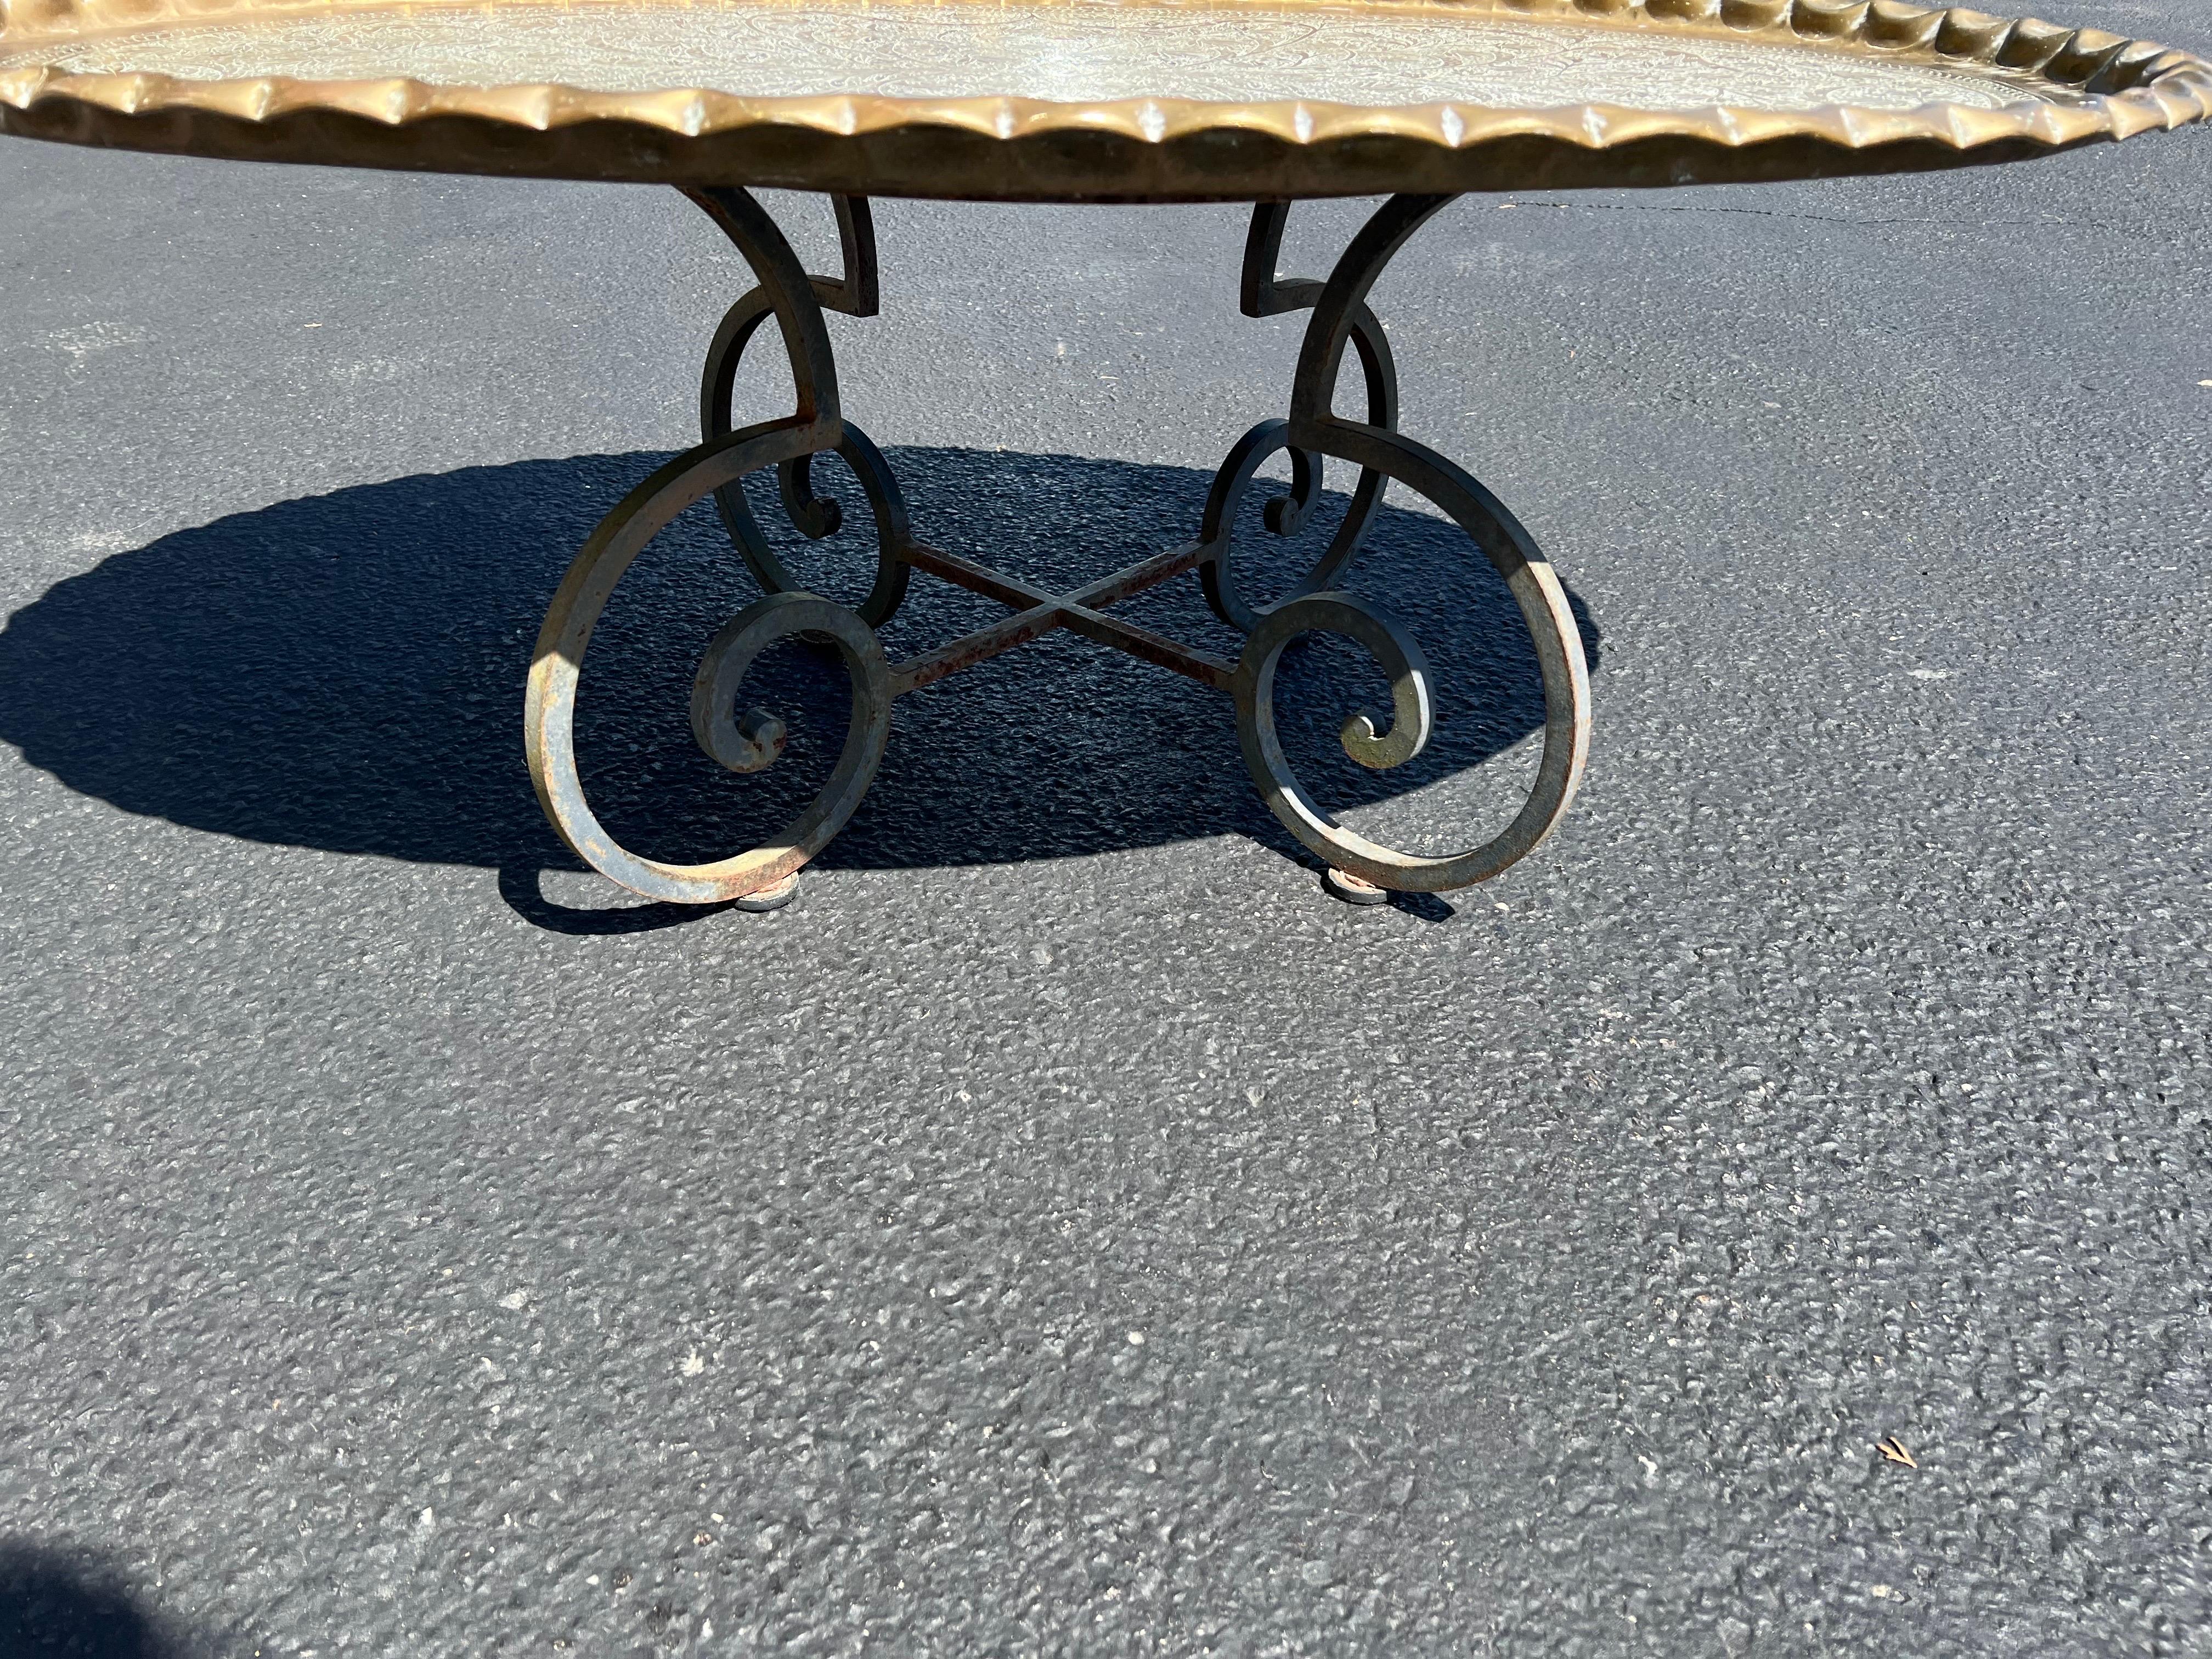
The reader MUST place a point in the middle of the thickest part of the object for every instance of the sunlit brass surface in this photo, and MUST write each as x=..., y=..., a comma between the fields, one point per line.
x=1087, y=99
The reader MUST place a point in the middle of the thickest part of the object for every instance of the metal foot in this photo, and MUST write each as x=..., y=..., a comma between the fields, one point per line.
x=1343, y=884
x=772, y=899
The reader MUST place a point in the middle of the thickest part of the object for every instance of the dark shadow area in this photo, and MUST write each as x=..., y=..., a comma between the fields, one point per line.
x=522, y=886
x=62, y=1604
x=1426, y=906
x=345, y=671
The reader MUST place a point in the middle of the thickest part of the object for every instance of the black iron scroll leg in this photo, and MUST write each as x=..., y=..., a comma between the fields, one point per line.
x=854, y=294
x=1360, y=868
x=1264, y=293
x=742, y=738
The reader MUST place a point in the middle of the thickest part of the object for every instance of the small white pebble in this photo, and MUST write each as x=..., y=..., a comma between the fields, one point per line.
x=1136, y=1339
x=1880, y=1591
x=693, y=1364
x=1931, y=673
x=514, y=1299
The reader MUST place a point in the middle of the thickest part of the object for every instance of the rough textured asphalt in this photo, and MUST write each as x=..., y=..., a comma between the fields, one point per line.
x=1065, y=1230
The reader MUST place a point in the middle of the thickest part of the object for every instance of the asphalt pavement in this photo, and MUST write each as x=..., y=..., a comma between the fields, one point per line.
x=1065, y=1229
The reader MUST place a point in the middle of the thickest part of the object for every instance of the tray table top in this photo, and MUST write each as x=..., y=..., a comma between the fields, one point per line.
x=1087, y=99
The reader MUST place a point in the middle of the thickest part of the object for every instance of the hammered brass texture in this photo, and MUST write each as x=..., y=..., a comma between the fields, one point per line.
x=1087, y=99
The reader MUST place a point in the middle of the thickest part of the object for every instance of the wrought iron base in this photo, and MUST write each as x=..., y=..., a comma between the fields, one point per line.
x=747, y=739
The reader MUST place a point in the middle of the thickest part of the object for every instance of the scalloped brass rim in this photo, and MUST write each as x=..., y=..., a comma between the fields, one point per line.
x=2124, y=87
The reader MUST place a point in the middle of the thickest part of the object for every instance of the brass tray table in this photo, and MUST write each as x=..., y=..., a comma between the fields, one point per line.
x=1259, y=101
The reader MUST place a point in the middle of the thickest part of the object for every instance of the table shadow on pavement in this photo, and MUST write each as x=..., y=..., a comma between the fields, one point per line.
x=345, y=671
x=58, y=1603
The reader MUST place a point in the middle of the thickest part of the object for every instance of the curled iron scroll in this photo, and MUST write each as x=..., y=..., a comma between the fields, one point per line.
x=1266, y=295
x=1543, y=604
x=743, y=740
x=746, y=741
x=815, y=516
x=1340, y=319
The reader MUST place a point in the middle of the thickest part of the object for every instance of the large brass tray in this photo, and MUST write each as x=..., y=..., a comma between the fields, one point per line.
x=1087, y=100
